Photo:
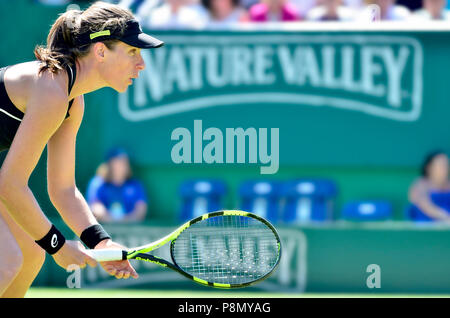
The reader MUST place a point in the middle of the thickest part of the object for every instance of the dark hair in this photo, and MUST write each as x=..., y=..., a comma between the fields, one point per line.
x=61, y=49
x=428, y=160
x=207, y=3
x=112, y=154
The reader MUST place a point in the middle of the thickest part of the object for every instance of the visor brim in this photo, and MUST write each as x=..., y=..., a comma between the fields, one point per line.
x=142, y=41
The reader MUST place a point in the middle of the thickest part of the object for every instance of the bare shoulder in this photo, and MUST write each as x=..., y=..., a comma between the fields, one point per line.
x=420, y=182
x=420, y=185
x=50, y=86
x=24, y=85
x=48, y=97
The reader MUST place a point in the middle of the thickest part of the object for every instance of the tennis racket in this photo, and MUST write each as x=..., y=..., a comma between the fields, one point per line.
x=224, y=249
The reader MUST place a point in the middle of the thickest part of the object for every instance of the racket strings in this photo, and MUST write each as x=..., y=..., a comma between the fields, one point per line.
x=228, y=249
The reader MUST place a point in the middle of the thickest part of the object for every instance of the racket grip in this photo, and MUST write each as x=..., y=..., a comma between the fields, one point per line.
x=104, y=255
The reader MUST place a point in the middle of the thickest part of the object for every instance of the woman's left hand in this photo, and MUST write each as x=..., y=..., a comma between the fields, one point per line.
x=119, y=269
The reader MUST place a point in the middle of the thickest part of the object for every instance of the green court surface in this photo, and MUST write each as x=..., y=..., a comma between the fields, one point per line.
x=133, y=293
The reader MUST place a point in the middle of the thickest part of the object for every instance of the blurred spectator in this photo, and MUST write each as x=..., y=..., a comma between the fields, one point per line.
x=96, y=181
x=81, y=2
x=142, y=8
x=53, y=2
x=120, y=198
x=303, y=6
x=223, y=13
x=175, y=14
x=354, y=4
x=432, y=10
x=273, y=11
x=431, y=192
x=246, y=4
x=389, y=11
x=134, y=5
x=411, y=4
x=89, y=2
x=331, y=10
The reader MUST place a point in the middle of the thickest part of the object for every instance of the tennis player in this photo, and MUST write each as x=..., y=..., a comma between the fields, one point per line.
x=41, y=103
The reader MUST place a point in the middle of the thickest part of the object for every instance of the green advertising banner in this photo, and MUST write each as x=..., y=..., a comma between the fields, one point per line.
x=317, y=98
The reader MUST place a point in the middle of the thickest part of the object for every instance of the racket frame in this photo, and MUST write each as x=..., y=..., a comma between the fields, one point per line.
x=141, y=253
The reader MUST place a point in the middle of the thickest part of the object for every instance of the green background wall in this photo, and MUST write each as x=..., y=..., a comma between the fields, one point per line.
x=368, y=156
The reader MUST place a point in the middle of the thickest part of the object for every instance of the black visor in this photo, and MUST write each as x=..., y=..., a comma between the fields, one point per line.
x=132, y=35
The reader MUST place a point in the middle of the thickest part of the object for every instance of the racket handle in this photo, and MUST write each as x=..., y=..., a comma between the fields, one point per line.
x=104, y=255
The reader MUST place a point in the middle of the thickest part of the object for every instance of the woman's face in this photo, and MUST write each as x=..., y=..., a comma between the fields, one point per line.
x=435, y=7
x=220, y=7
x=121, y=65
x=438, y=169
x=331, y=3
x=274, y=3
x=384, y=4
x=179, y=2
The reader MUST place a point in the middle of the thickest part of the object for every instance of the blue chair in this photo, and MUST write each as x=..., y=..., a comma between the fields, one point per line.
x=308, y=200
x=261, y=197
x=201, y=196
x=367, y=210
x=94, y=184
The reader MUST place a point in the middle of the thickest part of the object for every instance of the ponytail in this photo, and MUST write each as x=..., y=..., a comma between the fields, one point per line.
x=61, y=49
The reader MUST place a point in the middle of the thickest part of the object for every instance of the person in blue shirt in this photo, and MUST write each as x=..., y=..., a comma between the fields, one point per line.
x=430, y=194
x=120, y=197
x=95, y=182
x=432, y=10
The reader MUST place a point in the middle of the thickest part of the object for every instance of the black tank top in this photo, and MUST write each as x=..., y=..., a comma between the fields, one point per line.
x=11, y=116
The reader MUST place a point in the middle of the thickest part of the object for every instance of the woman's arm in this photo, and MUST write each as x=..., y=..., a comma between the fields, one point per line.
x=138, y=213
x=45, y=113
x=140, y=204
x=100, y=211
x=62, y=189
x=46, y=109
x=419, y=195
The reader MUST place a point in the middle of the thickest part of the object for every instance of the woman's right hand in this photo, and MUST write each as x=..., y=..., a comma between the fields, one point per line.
x=73, y=253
